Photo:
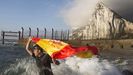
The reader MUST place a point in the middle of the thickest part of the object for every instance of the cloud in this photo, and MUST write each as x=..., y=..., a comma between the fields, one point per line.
x=77, y=13
x=122, y=7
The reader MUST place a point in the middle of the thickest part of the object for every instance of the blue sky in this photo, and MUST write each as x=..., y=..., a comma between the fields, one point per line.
x=15, y=14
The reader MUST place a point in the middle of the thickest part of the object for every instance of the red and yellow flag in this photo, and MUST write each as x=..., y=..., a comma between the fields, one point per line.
x=86, y=51
x=56, y=49
x=60, y=50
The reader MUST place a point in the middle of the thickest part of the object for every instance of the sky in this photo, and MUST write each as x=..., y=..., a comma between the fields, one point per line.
x=15, y=14
x=123, y=7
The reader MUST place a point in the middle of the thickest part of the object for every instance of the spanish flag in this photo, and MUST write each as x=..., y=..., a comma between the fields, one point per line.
x=56, y=49
x=86, y=51
x=60, y=50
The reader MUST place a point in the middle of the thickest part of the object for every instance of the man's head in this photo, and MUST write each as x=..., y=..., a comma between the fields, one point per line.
x=37, y=50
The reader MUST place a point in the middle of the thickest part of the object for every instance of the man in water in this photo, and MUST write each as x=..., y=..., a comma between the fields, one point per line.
x=43, y=60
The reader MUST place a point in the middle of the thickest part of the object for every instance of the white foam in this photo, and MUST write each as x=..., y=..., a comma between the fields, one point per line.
x=93, y=66
x=24, y=66
x=71, y=66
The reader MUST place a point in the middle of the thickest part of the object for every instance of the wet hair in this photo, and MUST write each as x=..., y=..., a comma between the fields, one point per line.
x=37, y=47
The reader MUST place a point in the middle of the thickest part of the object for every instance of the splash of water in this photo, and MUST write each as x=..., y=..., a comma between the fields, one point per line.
x=24, y=66
x=71, y=66
x=95, y=66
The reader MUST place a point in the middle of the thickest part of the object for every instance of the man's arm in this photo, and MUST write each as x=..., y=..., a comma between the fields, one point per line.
x=27, y=47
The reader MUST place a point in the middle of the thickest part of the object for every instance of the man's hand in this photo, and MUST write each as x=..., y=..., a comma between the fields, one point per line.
x=30, y=38
x=56, y=62
x=27, y=46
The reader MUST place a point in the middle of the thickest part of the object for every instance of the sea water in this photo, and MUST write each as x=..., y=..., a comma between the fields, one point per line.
x=16, y=61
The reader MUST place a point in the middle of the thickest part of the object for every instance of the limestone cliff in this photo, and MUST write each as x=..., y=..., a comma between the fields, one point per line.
x=104, y=24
